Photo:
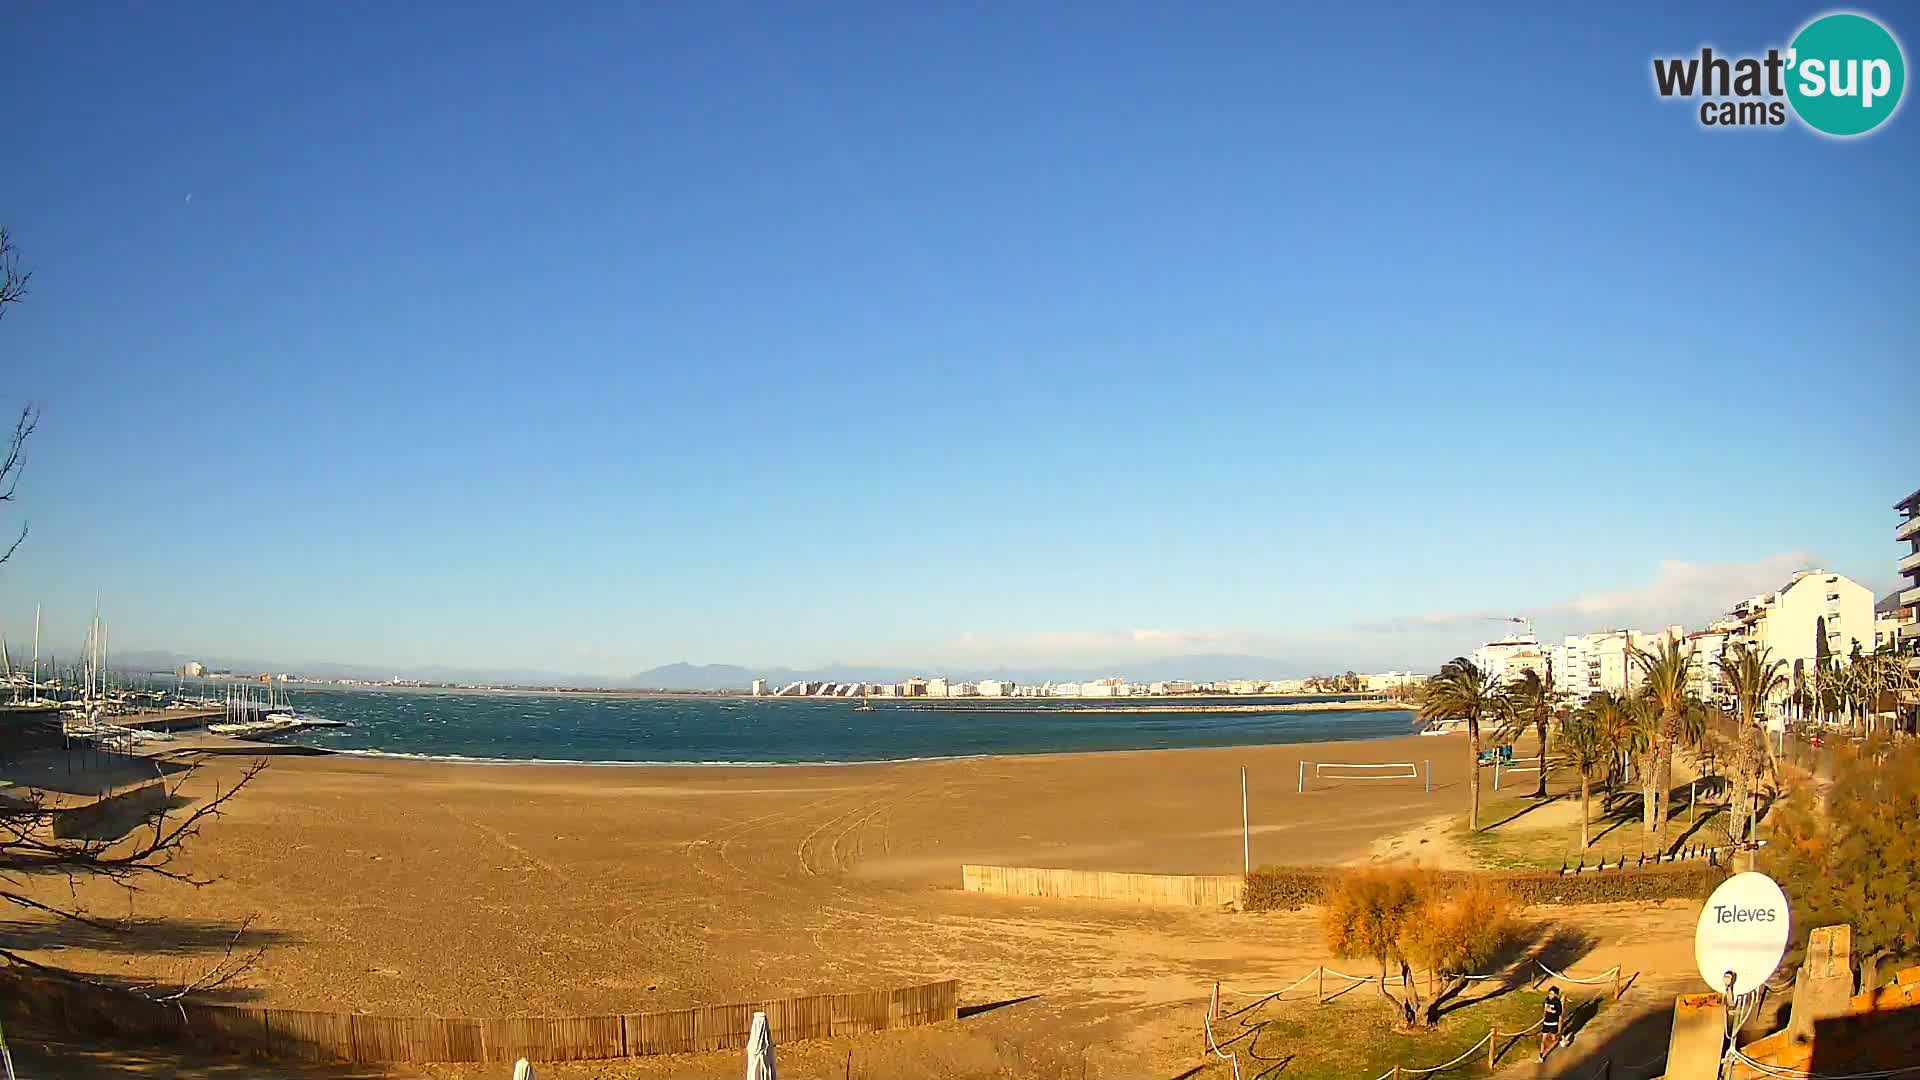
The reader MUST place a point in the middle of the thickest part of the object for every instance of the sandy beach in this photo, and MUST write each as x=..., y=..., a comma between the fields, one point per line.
x=413, y=887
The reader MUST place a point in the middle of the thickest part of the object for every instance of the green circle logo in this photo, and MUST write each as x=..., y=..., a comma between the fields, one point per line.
x=1845, y=74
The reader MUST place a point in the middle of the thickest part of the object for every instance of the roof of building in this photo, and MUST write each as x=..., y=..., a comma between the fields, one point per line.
x=1910, y=504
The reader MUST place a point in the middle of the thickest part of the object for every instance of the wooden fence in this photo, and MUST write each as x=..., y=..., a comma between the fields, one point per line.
x=290, y=1033
x=1184, y=890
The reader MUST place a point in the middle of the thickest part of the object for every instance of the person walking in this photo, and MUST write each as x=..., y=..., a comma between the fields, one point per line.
x=1550, y=1022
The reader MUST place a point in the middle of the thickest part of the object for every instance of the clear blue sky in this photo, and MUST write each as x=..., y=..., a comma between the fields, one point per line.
x=995, y=333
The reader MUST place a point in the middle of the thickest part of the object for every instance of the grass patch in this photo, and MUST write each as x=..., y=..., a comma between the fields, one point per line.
x=1524, y=833
x=1353, y=1037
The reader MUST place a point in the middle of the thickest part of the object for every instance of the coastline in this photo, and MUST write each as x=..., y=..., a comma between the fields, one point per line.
x=404, y=886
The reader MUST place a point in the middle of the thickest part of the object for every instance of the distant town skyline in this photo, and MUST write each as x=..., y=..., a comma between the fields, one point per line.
x=967, y=337
x=1681, y=594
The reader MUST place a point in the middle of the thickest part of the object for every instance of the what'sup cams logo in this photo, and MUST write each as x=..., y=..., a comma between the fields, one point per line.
x=1842, y=76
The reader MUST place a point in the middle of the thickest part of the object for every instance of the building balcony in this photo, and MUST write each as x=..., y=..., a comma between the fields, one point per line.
x=1908, y=529
x=1911, y=563
x=1910, y=597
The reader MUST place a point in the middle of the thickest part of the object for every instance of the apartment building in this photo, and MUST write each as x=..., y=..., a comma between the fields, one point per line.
x=1816, y=614
x=1907, y=636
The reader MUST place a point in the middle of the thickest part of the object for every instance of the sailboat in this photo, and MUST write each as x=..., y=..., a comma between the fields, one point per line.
x=865, y=705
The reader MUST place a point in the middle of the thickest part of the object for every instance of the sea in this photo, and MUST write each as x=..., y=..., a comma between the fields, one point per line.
x=503, y=726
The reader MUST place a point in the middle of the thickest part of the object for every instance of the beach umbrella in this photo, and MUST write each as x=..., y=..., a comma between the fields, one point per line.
x=760, y=1050
x=523, y=1070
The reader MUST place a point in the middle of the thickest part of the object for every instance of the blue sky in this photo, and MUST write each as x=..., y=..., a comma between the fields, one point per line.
x=992, y=333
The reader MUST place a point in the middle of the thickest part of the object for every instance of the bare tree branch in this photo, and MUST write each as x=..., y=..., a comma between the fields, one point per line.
x=13, y=283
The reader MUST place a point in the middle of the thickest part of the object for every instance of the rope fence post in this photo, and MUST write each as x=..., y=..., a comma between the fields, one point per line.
x=1303, y=776
x=1493, y=1044
x=1321, y=974
x=1429, y=776
x=1616, y=982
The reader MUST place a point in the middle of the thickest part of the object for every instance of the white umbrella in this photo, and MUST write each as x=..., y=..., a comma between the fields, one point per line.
x=522, y=1070
x=760, y=1050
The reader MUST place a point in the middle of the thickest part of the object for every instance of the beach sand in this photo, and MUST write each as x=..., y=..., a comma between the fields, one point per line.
x=413, y=887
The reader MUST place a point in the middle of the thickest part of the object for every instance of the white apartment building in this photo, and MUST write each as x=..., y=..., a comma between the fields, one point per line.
x=1585, y=664
x=1704, y=680
x=759, y=687
x=1815, y=613
x=937, y=688
x=1504, y=660
x=995, y=688
x=1386, y=680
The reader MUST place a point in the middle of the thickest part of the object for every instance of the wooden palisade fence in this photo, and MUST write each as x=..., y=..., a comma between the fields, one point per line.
x=1186, y=890
x=83, y=1009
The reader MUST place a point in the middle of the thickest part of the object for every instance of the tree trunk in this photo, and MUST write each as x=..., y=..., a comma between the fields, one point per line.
x=1586, y=815
x=1541, y=791
x=1663, y=789
x=1454, y=985
x=1402, y=1011
x=1473, y=813
x=1648, y=803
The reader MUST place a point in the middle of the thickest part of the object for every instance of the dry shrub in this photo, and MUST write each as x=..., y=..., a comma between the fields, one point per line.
x=1289, y=888
x=1403, y=916
x=1462, y=927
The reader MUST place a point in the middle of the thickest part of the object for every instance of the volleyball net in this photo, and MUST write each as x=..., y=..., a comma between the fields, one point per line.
x=1325, y=774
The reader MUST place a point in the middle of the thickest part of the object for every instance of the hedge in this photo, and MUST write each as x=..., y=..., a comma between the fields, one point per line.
x=1286, y=888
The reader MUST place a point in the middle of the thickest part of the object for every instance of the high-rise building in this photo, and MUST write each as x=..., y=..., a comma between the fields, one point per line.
x=759, y=687
x=1907, y=638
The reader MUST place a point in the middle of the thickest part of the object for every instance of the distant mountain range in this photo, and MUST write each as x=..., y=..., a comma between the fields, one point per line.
x=686, y=676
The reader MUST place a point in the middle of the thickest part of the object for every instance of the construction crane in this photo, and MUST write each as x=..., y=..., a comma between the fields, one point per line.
x=1519, y=620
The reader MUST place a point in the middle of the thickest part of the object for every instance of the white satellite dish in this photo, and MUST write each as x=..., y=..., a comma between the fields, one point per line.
x=1743, y=931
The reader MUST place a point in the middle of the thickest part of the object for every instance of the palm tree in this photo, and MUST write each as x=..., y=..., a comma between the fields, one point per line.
x=1754, y=678
x=1463, y=692
x=1528, y=702
x=1583, y=741
x=1669, y=670
x=1615, y=719
x=1643, y=736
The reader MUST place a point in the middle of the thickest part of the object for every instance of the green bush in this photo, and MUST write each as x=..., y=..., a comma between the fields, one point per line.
x=1288, y=888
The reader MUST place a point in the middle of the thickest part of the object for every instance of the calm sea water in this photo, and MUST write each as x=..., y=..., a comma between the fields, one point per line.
x=552, y=727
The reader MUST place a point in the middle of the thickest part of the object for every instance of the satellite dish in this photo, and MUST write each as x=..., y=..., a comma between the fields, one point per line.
x=1742, y=932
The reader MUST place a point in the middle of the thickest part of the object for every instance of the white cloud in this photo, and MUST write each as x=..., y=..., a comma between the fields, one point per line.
x=1681, y=592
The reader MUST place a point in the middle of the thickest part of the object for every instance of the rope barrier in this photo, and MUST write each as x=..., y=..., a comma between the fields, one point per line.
x=1484, y=1040
x=1493, y=1034
x=1212, y=1044
x=1605, y=976
x=1802, y=1074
